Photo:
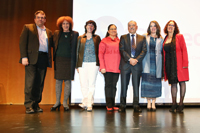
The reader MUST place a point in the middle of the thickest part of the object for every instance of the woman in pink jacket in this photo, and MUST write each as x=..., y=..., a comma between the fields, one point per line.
x=175, y=63
x=109, y=58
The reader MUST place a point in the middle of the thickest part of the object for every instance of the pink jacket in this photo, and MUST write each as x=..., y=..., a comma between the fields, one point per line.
x=109, y=55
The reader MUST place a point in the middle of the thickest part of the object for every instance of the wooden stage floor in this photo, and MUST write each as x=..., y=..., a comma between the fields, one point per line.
x=14, y=120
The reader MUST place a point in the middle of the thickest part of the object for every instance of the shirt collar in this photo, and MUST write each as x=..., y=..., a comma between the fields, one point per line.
x=132, y=34
x=40, y=28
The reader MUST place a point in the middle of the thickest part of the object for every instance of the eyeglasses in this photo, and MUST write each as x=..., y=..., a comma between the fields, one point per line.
x=171, y=25
x=40, y=17
x=113, y=29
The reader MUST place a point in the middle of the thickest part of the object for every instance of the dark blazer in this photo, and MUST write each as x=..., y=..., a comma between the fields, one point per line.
x=29, y=44
x=81, y=47
x=73, y=44
x=125, y=50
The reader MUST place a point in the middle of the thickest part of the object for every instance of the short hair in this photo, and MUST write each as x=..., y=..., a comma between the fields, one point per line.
x=93, y=23
x=133, y=21
x=176, y=29
x=157, y=28
x=39, y=11
x=107, y=34
x=61, y=19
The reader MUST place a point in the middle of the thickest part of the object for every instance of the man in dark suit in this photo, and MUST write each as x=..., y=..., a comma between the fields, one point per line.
x=133, y=49
x=35, y=49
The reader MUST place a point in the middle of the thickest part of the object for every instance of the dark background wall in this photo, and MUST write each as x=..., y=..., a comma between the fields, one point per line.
x=13, y=15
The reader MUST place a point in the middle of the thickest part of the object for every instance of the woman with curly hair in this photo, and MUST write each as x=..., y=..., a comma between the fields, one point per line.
x=64, y=56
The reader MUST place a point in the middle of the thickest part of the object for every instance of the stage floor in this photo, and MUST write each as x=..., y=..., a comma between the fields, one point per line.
x=14, y=120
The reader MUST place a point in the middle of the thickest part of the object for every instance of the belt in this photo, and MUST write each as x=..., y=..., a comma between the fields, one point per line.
x=42, y=53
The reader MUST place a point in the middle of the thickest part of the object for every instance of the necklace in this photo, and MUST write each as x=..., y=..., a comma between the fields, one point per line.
x=65, y=36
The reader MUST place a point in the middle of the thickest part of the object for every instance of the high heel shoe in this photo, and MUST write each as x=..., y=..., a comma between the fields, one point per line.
x=180, y=108
x=54, y=108
x=153, y=109
x=148, y=109
x=149, y=105
x=173, y=108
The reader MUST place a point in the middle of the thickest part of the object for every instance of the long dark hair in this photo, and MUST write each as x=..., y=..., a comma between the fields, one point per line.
x=107, y=34
x=176, y=29
x=157, y=28
x=93, y=23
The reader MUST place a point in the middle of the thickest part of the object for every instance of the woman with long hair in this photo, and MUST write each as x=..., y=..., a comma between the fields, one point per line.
x=152, y=66
x=175, y=59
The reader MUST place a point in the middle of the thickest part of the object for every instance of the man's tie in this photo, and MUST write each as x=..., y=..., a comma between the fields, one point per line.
x=132, y=46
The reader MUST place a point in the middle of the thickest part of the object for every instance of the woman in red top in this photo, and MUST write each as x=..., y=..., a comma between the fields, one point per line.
x=109, y=58
x=175, y=63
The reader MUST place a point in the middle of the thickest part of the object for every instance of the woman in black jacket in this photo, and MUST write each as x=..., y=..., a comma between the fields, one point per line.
x=64, y=57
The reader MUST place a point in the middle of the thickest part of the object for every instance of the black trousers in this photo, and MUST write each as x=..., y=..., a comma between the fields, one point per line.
x=34, y=81
x=110, y=88
x=125, y=77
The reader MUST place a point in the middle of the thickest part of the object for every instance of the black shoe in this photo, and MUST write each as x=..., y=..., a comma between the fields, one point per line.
x=180, y=108
x=137, y=109
x=29, y=111
x=173, y=108
x=66, y=108
x=38, y=109
x=153, y=109
x=148, y=109
x=122, y=109
x=54, y=108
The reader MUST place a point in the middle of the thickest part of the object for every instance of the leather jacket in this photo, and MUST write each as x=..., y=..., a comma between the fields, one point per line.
x=81, y=47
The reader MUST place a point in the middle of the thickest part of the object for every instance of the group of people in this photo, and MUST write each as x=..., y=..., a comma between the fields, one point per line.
x=148, y=56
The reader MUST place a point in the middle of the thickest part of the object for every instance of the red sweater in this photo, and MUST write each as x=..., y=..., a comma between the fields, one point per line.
x=109, y=55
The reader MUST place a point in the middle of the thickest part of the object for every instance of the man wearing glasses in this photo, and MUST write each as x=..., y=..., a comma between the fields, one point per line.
x=35, y=50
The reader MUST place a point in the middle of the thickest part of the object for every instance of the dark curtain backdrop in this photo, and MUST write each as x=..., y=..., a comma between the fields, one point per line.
x=13, y=15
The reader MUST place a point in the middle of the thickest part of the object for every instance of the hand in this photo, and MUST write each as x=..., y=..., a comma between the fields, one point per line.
x=77, y=70
x=25, y=61
x=103, y=70
x=133, y=62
